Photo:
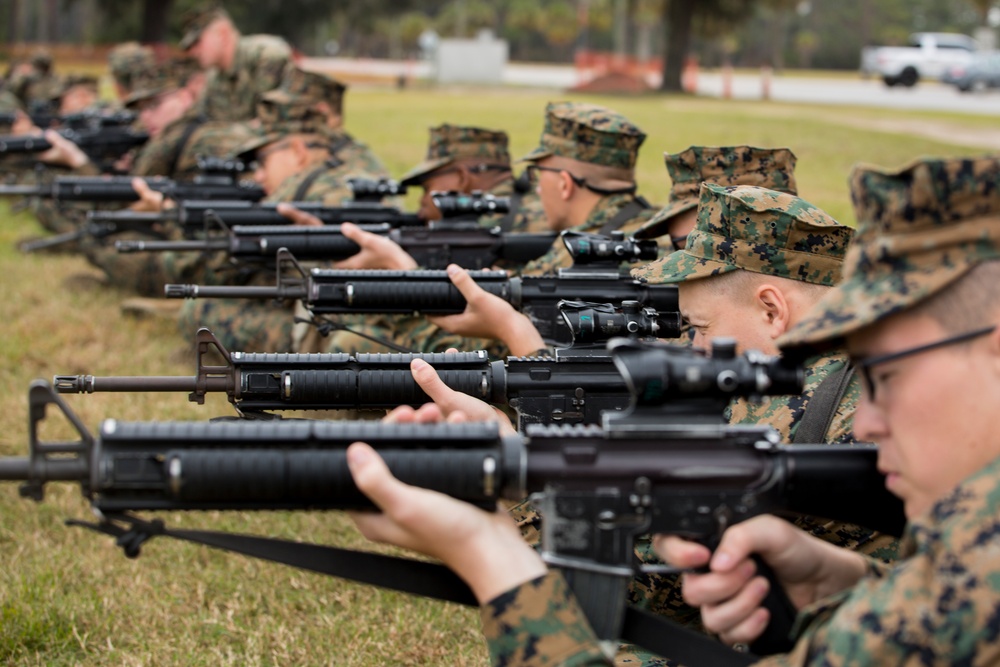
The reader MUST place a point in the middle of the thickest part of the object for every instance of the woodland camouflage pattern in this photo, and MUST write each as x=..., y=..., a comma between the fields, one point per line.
x=588, y=133
x=128, y=61
x=163, y=78
x=920, y=228
x=455, y=142
x=938, y=604
x=759, y=230
x=301, y=87
x=259, y=65
x=772, y=168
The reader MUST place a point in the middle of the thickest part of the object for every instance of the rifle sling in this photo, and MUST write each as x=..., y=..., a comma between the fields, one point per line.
x=822, y=406
x=654, y=633
x=626, y=213
x=189, y=131
x=506, y=223
x=331, y=162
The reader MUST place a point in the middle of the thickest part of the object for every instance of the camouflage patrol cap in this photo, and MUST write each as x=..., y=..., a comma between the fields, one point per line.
x=128, y=61
x=308, y=88
x=57, y=89
x=196, y=20
x=454, y=142
x=161, y=78
x=919, y=229
x=588, y=133
x=759, y=230
x=41, y=59
x=772, y=168
x=276, y=121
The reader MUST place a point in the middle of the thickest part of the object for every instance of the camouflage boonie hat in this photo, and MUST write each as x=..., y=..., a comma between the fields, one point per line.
x=919, y=229
x=196, y=20
x=276, y=121
x=56, y=91
x=161, y=78
x=772, y=168
x=127, y=63
x=308, y=88
x=759, y=230
x=588, y=133
x=41, y=59
x=454, y=142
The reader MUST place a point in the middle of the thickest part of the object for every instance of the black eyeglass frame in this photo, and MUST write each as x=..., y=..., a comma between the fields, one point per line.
x=532, y=169
x=865, y=365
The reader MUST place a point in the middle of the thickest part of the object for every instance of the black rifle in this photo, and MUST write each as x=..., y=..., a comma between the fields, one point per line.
x=668, y=465
x=45, y=115
x=375, y=189
x=199, y=216
x=574, y=387
x=103, y=143
x=101, y=189
x=595, y=277
x=433, y=246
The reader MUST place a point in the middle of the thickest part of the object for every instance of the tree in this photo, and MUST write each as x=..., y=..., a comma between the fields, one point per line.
x=711, y=17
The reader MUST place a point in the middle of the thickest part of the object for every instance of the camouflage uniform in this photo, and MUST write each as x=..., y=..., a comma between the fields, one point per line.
x=919, y=230
x=173, y=154
x=249, y=325
x=128, y=62
x=447, y=144
x=583, y=132
x=258, y=67
x=756, y=229
x=772, y=168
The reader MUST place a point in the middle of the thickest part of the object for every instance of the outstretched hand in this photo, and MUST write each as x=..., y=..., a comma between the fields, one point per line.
x=731, y=593
x=488, y=316
x=377, y=251
x=63, y=152
x=149, y=199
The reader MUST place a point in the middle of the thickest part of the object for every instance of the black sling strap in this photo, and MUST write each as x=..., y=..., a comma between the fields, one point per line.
x=627, y=212
x=654, y=633
x=506, y=223
x=331, y=162
x=822, y=407
x=189, y=131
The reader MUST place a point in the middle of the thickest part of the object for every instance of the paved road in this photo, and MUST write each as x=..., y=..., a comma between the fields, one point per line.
x=924, y=96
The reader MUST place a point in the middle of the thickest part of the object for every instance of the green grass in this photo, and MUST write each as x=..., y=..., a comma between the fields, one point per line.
x=68, y=597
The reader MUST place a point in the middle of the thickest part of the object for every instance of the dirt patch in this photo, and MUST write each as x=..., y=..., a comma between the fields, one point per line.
x=945, y=132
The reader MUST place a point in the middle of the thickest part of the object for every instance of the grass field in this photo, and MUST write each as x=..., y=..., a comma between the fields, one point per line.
x=69, y=597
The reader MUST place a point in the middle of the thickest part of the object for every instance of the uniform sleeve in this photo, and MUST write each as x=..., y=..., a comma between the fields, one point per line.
x=539, y=624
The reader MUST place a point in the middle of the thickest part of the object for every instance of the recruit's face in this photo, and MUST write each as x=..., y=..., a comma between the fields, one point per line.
x=276, y=162
x=933, y=414
x=734, y=314
x=155, y=114
x=210, y=49
x=445, y=179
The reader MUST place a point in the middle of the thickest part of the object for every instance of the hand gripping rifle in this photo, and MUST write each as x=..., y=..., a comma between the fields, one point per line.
x=595, y=277
x=104, y=142
x=573, y=387
x=668, y=465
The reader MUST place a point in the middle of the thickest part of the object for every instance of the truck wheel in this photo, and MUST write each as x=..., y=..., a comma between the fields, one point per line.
x=909, y=77
x=890, y=80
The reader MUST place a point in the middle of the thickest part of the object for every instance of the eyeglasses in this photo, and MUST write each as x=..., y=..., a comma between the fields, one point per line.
x=864, y=366
x=533, y=169
x=472, y=169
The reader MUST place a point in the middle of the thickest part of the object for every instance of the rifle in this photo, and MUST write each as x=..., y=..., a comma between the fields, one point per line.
x=197, y=216
x=595, y=277
x=44, y=115
x=103, y=143
x=669, y=464
x=101, y=189
x=433, y=246
x=574, y=387
x=374, y=189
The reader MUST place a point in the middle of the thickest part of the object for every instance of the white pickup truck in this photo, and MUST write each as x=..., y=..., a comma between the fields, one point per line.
x=929, y=56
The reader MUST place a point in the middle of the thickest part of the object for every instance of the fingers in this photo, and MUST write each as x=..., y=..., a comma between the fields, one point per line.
x=680, y=552
x=298, y=217
x=466, y=285
x=372, y=477
x=740, y=619
x=716, y=587
x=432, y=384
